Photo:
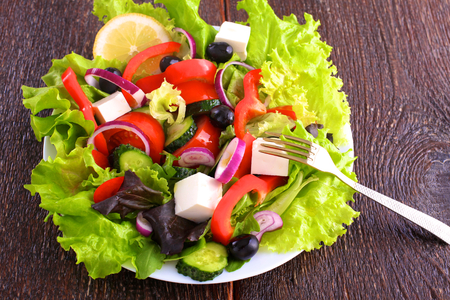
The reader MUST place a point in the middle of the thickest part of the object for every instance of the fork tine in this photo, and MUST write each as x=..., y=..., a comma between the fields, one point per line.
x=302, y=153
x=277, y=141
x=293, y=138
x=276, y=153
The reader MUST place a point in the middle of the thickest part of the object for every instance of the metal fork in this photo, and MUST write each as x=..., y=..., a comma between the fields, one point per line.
x=317, y=157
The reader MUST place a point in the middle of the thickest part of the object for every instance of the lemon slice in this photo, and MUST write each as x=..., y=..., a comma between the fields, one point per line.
x=125, y=35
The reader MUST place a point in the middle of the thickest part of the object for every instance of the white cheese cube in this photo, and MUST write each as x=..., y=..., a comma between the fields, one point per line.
x=266, y=164
x=236, y=35
x=196, y=197
x=111, y=107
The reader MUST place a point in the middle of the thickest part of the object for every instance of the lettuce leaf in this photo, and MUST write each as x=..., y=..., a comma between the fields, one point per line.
x=166, y=100
x=320, y=208
x=67, y=127
x=105, y=10
x=66, y=186
x=296, y=67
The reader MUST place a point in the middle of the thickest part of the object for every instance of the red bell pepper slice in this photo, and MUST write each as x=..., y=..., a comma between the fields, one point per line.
x=150, y=52
x=142, y=56
x=69, y=79
x=150, y=83
x=220, y=223
x=246, y=163
x=272, y=183
x=100, y=159
x=285, y=110
x=108, y=189
x=196, y=90
x=249, y=107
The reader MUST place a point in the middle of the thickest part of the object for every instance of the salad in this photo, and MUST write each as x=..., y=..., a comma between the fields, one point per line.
x=161, y=166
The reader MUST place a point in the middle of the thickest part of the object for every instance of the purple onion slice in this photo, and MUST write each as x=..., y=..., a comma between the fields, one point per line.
x=195, y=156
x=143, y=226
x=218, y=82
x=191, y=41
x=124, y=84
x=230, y=160
x=268, y=221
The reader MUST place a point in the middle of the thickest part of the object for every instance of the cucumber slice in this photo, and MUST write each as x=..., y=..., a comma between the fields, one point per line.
x=178, y=135
x=127, y=157
x=201, y=107
x=204, y=264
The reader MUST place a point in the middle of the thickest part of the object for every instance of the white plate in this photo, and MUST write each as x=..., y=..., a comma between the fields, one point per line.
x=262, y=262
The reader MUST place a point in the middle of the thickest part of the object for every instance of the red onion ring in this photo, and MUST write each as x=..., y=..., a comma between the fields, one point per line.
x=191, y=41
x=195, y=156
x=124, y=84
x=121, y=125
x=218, y=82
x=143, y=226
x=268, y=221
x=230, y=160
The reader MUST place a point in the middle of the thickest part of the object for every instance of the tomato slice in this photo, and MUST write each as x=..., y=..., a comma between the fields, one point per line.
x=196, y=90
x=108, y=189
x=124, y=137
x=151, y=127
x=207, y=136
x=191, y=69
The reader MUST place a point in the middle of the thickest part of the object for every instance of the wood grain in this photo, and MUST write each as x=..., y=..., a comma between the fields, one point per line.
x=394, y=60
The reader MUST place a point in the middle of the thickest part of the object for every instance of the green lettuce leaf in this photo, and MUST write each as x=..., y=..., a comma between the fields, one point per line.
x=320, y=209
x=296, y=67
x=105, y=10
x=67, y=127
x=66, y=186
x=166, y=100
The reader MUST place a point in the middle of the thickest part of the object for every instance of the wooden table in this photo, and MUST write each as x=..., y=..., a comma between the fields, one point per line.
x=394, y=59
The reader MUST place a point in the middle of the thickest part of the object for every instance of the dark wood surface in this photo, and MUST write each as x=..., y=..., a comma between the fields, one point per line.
x=394, y=59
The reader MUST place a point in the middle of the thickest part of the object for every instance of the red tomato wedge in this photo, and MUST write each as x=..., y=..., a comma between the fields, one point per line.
x=151, y=127
x=108, y=189
x=207, y=136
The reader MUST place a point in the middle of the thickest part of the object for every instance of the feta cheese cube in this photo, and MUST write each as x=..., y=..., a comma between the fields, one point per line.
x=111, y=107
x=266, y=164
x=196, y=197
x=236, y=35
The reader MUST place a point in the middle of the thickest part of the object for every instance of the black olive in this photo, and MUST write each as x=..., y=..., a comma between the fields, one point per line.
x=167, y=61
x=108, y=86
x=221, y=116
x=244, y=246
x=219, y=52
x=313, y=129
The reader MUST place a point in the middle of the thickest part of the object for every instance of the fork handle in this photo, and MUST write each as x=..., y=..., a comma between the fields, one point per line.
x=434, y=226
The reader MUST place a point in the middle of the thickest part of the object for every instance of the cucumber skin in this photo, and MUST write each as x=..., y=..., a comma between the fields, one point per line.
x=195, y=273
x=183, y=139
x=194, y=265
x=122, y=149
x=201, y=107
